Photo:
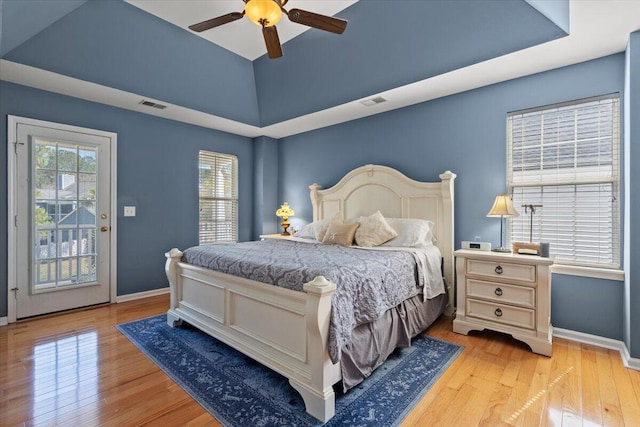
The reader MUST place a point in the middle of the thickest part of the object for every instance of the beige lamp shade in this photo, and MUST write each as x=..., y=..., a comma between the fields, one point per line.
x=502, y=206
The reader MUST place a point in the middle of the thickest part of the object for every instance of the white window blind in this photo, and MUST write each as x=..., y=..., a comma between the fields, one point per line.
x=566, y=158
x=218, y=196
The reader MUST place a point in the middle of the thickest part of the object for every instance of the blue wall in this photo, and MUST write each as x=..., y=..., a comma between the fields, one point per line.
x=157, y=173
x=265, y=199
x=389, y=44
x=464, y=133
x=115, y=44
x=26, y=18
x=631, y=309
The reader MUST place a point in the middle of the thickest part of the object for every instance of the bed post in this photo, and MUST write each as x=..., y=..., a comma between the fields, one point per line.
x=447, y=245
x=171, y=269
x=318, y=395
x=314, y=200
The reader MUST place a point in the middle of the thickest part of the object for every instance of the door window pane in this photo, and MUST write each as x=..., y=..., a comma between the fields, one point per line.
x=64, y=217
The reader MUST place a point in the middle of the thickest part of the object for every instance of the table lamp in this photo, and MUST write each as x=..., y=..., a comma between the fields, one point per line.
x=285, y=212
x=502, y=207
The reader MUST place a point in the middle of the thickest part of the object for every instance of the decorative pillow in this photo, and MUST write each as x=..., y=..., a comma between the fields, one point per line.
x=411, y=232
x=339, y=233
x=307, y=232
x=374, y=231
x=321, y=227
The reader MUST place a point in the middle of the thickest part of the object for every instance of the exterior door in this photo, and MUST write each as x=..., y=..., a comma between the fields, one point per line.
x=63, y=181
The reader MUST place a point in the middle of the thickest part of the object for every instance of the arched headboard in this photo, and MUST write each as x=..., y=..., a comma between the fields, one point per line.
x=370, y=188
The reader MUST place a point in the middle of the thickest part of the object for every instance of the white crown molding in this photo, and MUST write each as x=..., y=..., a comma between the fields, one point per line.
x=595, y=340
x=26, y=75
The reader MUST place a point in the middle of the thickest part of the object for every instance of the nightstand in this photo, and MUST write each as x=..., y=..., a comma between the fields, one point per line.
x=507, y=293
x=273, y=236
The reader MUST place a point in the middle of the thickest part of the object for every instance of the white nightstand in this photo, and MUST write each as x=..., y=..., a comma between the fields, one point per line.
x=506, y=293
x=273, y=236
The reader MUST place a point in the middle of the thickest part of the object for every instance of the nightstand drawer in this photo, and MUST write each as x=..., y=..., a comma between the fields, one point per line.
x=502, y=270
x=502, y=293
x=499, y=313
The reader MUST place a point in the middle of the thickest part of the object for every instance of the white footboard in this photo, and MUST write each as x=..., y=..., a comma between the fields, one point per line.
x=284, y=330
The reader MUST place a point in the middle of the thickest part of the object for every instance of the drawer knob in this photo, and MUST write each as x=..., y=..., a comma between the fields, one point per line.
x=499, y=269
x=498, y=312
x=498, y=292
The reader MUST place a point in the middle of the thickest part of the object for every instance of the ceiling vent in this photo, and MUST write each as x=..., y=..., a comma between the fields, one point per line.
x=373, y=101
x=152, y=104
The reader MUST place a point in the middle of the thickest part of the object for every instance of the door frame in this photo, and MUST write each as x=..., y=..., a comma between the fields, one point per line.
x=12, y=235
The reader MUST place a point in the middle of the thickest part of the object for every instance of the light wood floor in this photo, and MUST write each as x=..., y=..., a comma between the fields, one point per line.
x=77, y=369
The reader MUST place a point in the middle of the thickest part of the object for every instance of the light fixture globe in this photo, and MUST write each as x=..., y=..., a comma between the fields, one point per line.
x=264, y=13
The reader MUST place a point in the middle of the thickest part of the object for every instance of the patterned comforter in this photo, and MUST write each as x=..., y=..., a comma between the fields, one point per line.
x=368, y=282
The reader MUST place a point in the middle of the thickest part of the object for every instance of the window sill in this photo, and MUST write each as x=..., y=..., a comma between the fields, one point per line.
x=596, y=273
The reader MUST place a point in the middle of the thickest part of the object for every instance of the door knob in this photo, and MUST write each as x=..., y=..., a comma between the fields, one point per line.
x=104, y=228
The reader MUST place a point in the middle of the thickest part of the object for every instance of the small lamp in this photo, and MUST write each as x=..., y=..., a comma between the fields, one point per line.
x=502, y=207
x=285, y=212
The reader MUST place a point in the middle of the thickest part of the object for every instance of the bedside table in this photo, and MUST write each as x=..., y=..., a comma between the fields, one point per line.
x=507, y=293
x=273, y=236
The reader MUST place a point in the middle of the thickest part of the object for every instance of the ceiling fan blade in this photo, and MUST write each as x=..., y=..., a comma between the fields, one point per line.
x=271, y=39
x=321, y=22
x=216, y=22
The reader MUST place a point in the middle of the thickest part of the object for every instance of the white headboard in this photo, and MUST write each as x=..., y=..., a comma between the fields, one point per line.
x=370, y=188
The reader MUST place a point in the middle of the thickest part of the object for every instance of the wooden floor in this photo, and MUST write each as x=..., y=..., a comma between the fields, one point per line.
x=77, y=369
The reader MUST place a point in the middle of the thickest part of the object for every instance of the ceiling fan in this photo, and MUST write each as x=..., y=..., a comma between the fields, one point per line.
x=267, y=13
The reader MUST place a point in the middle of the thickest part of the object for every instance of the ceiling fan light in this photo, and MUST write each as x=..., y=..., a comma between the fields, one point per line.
x=267, y=11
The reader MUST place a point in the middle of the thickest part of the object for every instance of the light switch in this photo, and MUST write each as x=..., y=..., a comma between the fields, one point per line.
x=129, y=211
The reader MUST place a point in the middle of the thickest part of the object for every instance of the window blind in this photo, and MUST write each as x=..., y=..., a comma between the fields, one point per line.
x=566, y=158
x=218, y=197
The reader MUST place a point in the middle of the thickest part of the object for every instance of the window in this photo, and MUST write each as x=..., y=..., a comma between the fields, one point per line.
x=565, y=158
x=218, y=189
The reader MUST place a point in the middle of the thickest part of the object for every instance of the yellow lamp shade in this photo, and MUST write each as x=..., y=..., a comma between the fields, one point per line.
x=285, y=211
x=263, y=12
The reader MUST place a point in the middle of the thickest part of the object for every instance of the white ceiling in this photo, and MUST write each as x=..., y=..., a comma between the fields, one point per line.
x=242, y=37
x=598, y=28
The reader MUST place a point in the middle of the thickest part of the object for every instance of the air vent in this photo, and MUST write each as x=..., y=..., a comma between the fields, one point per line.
x=373, y=101
x=152, y=104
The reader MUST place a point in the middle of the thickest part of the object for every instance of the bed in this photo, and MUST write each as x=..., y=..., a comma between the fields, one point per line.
x=288, y=330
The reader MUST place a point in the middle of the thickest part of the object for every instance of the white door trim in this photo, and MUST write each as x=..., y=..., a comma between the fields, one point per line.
x=12, y=128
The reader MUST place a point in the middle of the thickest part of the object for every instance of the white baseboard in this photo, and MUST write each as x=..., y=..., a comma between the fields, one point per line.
x=620, y=346
x=4, y=321
x=140, y=295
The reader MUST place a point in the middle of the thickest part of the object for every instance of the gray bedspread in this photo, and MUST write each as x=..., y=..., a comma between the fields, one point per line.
x=368, y=282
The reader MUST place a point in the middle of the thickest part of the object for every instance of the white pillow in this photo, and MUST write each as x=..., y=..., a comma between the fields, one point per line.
x=374, y=231
x=411, y=232
x=307, y=232
x=320, y=227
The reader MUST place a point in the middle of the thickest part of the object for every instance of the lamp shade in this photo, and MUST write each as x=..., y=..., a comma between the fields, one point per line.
x=285, y=211
x=265, y=13
x=502, y=206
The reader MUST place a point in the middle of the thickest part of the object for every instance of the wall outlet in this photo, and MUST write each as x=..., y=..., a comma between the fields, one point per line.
x=129, y=211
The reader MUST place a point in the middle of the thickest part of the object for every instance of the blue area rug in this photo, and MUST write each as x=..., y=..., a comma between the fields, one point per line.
x=240, y=392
